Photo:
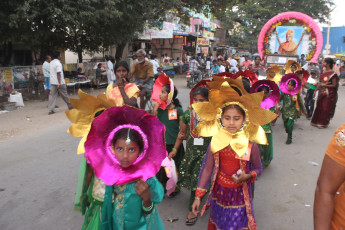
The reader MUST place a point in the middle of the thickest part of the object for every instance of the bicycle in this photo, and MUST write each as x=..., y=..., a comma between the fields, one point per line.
x=148, y=104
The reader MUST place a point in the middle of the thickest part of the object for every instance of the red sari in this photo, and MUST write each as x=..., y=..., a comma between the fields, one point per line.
x=326, y=101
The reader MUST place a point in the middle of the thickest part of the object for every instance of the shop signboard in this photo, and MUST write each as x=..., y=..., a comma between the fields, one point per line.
x=179, y=32
x=21, y=76
x=169, y=25
x=204, y=50
x=156, y=33
x=8, y=75
x=6, y=79
x=207, y=23
x=182, y=30
x=208, y=34
x=203, y=42
x=213, y=26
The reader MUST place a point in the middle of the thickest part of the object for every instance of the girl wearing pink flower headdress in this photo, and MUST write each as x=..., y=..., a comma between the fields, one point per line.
x=125, y=154
x=290, y=86
x=169, y=111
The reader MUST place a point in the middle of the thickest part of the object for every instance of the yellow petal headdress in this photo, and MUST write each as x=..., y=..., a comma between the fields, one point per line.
x=85, y=109
x=235, y=83
x=288, y=65
x=220, y=96
x=278, y=75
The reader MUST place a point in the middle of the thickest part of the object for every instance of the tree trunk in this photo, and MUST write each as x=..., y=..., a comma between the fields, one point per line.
x=7, y=52
x=119, y=51
x=80, y=55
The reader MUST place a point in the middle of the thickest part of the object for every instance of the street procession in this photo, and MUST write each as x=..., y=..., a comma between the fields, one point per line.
x=177, y=115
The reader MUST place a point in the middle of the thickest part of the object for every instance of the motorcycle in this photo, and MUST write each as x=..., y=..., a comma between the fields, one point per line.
x=192, y=79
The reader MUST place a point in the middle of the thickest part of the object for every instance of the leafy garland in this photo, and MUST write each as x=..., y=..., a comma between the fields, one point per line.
x=308, y=31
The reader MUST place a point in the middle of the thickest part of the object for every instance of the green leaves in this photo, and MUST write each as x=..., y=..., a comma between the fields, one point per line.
x=246, y=20
x=90, y=25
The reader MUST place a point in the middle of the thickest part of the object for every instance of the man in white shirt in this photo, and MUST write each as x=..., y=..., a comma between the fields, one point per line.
x=57, y=83
x=46, y=73
x=110, y=71
x=193, y=67
x=221, y=66
x=155, y=64
x=233, y=68
x=208, y=67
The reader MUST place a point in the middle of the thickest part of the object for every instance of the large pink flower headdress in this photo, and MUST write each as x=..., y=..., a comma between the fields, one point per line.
x=98, y=149
x=285, y=81
x=274, y=93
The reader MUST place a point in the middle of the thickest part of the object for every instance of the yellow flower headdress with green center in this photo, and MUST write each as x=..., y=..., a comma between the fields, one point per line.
x=220, y=96
x=85, y=110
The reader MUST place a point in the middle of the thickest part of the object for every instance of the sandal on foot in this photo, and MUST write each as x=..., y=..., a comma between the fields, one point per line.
x=191, y=221
x=51, y=112
x=288, y=141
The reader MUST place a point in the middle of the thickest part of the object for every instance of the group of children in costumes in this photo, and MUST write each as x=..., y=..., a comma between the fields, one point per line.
x=228, y=143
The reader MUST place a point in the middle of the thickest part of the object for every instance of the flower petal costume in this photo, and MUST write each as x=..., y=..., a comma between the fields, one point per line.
x=305, y=75
x=292, y=102
x=285, y=81
x=278, y=75
x=231, y=203
x=227, y=74
x=288, y=65
x=162, y=80
x=252, y=76
x=85, y=110
x=90, y=194
x=235, y=83
x=221, y=95
x=266, y=151
x=122, y=206
x=99, y=153
x=274, y=93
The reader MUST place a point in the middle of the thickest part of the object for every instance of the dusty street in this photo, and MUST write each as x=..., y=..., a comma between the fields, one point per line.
x=39, y=168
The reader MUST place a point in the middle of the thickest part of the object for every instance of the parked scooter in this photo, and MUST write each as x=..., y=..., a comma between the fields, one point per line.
x=192, y=79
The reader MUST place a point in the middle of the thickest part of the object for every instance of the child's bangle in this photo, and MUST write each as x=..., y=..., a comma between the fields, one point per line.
x=147, y=209
x=199, y=192
x=175, y=150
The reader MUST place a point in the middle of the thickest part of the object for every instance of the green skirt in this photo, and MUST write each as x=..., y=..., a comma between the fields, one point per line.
x=266, y=151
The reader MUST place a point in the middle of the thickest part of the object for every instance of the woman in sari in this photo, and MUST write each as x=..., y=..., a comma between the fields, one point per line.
x=123, y=92
x=328, y=95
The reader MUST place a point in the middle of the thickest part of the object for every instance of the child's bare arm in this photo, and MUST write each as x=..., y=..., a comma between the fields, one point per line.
x=179, y=140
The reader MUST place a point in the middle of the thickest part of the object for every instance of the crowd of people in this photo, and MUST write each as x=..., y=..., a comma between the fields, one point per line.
x=229, y=142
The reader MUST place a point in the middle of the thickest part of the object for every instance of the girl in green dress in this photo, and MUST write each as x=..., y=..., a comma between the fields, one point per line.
x=171, y=118
x=125, y=148
x=292, y=102
x=195, y=148
x=266, y=151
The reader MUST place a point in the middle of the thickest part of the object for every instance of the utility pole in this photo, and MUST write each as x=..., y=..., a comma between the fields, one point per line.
x=197, y=37
x=328, y=46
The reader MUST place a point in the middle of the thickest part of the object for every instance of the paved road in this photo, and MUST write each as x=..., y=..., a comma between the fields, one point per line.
x=39, y=166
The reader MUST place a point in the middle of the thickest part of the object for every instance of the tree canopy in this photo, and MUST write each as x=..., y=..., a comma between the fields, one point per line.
x=88, y=25
x=246, y=20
